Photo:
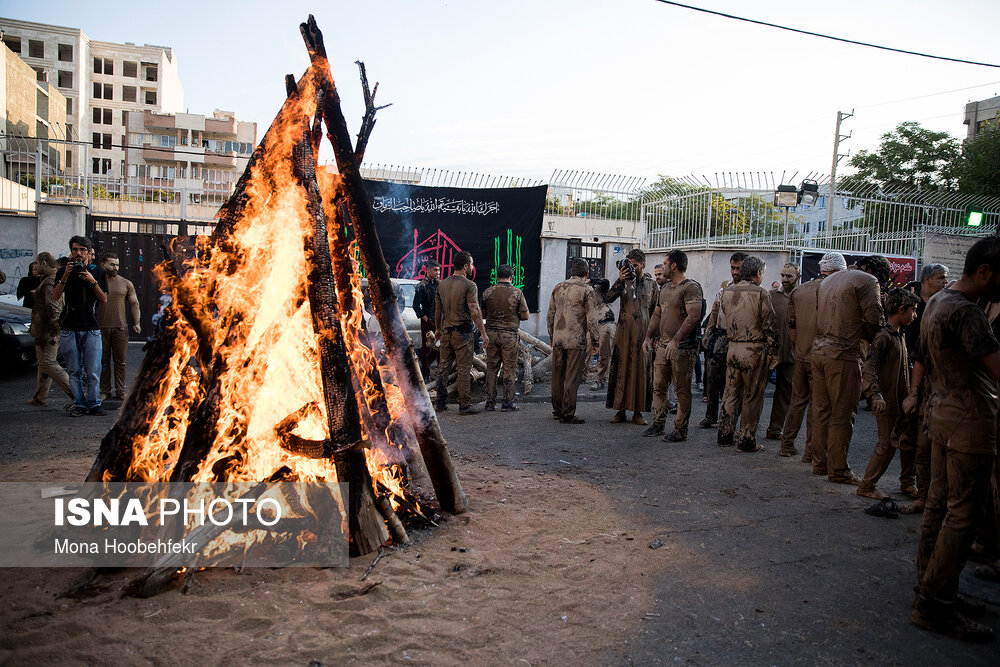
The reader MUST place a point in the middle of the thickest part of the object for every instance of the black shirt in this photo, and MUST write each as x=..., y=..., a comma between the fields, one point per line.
x=25, y=287
x=423, y=299
x=80, y=312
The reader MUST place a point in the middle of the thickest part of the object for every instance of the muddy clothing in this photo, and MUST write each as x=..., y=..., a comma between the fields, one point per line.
x=606, y=334
x=886, y=371
x=572, y=325
x=674, y=304
x=784, y=373
x=749, y=319
x=115, y=333
x=849, y=311
x=802, y=307
x=629, y=382
x=451, y=303
x=913, y=330
x=503, y=305
x=454, y=329
x=954, y=336
x=716, y=346
x=45, y=312
x=423, y=305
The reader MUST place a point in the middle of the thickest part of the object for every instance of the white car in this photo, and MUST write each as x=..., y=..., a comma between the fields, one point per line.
x=405, y=291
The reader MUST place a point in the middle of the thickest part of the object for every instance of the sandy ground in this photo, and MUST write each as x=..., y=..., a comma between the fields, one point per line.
x=540, y=556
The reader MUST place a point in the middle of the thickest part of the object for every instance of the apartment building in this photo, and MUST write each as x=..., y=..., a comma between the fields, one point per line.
x=101, y=83
x=32, y=108
x=200, y=154
x=982, y=114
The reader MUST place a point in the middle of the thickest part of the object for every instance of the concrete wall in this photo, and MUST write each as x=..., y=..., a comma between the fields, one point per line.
x=18, y=245
x=57, y=223
x=711, y=268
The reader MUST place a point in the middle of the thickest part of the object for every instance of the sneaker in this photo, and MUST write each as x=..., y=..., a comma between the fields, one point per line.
x=509, y=407
x=653, y=430
x=77, y=411
x=676, y=436
x=490, y=407
x=97, y=411
x=467, y=410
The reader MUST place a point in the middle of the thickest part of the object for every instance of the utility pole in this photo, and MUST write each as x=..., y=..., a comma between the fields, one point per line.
x=837, y=137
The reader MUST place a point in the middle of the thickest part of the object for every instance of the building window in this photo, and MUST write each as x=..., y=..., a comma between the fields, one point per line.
x=66, y=53
x=69, y=159
x=98, y=66
x=101, y=141
x=69, y=131
x=109, y=66
x=13, y=43
x=151, y=72
x=168, y=141
x=100, y=165
x=69, y=106
x=109, y=91
x=130, y=69
x=40, y=74
x=150, y=97
x=36, y=48
x=65, y=79
x=128, y=93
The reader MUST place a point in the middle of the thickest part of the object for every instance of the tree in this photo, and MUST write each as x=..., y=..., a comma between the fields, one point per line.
x=978, y=167
x=908, y=158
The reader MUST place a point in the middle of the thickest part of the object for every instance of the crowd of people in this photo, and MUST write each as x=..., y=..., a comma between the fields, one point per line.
x=78, y=312
x=924, y=357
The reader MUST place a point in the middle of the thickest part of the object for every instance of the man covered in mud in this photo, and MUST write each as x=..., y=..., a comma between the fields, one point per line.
x=716, y=345
x=749, y=317
x=802, y=332
x=784, y=372
x=849, y=312
x=628, y=382
x=605, y=332
x=572, y=326
x=962, y=364
x=675, y=326
x=505, y=308
x=456, y=308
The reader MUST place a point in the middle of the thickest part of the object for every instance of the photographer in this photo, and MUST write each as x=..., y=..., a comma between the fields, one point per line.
x=80, y=339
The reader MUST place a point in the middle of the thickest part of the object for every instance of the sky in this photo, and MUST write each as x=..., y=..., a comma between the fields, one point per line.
x=634, y=87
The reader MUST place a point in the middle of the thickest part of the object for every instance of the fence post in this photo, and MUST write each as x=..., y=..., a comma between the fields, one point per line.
x=708, y=221
x=184, y=200
x=38, y=171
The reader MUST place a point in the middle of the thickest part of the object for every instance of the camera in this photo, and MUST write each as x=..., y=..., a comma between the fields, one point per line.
x=78, y=267
x=628, y=268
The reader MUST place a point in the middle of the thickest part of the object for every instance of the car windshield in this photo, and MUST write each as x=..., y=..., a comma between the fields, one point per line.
x=409, y=291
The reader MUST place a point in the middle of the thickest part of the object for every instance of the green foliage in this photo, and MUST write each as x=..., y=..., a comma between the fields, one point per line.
x=908, y=158
x=978, y=167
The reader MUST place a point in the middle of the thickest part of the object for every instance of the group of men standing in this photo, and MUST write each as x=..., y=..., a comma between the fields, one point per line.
x=79, y=312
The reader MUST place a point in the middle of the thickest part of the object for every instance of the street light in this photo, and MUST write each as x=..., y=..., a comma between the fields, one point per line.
x=789, y=196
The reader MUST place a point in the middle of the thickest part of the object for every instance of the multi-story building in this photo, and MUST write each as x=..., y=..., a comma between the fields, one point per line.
x=101, y=82
x=199, y=154
x=32, y=108
x=982, y=114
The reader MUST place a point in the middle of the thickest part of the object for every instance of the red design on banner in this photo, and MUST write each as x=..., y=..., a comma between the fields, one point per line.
x=903, y=270
x=438, y=247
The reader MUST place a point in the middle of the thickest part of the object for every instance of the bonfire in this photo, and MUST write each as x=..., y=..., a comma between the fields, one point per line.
x=261, y=370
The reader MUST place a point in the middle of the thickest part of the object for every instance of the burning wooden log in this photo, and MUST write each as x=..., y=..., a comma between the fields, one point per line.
x=399, y=348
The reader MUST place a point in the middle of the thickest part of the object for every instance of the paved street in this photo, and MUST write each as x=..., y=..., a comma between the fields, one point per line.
x=760, y=563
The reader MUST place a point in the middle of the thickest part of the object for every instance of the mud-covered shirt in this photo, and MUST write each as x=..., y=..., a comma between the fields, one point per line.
x=749, y=316
x=451, y=302
x=121, y=292
x=802, y=316
x=849, y=310
x=886, y=369
x=672, y=308
x=502, y=307
x=572, y=317
x=954, y=336
x=780, y=302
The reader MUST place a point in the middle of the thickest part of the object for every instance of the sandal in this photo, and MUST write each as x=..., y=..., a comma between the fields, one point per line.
x=884, y=508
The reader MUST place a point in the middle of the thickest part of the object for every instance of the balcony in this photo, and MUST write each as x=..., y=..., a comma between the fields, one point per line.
x=155, y=153
x=220, y=159
x=151, y=119
x=217, y=126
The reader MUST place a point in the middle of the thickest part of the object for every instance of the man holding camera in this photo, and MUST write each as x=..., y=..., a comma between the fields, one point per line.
x=80, y=339
x=628, y=384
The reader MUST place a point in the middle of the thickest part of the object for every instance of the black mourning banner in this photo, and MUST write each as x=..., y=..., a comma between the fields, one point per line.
x=903, y=269
x=498, y=226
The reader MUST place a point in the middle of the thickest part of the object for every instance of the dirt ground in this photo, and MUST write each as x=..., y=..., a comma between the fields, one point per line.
x=586, y=545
